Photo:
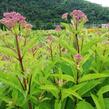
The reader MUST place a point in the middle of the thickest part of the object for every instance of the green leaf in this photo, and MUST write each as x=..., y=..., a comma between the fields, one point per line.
x=7, y=51
x=37, y=107
x=88, y=86
x=84, y=105
x=68, y=47
x=10, y=80
x=69, y=61
x=100, y=95
x=68, y=92
x=96, y=101
x=51, y=88
x=103, y=90
x=64, y=77
x=106, y=101
x=57, y=104
x=93, y=76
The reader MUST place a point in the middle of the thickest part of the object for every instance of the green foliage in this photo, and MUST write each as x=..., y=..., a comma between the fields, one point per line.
x=84, y=105
x=54, y=70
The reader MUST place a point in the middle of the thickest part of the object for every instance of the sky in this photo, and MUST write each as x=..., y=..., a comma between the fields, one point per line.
x=102, y=2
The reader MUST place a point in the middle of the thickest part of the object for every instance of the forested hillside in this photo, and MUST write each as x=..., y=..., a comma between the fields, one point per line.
x=47, y=13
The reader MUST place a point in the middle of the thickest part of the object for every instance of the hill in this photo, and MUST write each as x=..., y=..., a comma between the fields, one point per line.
x=46, y=13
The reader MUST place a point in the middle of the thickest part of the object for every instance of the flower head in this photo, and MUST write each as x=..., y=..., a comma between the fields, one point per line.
x=26, y=25
x=64, y=16
x=58, y=28
x=14, y=15
x=78, y=57
x=78, y=15
x=12, y=18
x=50, y=39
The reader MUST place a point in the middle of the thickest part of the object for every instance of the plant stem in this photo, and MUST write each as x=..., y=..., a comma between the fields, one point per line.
x=30, y=85
x=82, y=43
x=22, y=69
x=29, y=105
x=77, y=82
x=51, y=52
x=77, y=43
x=20, y=82
x=76, y=36
x=29, y=102
x=20, y=61
x=60, y=53
x=65, y=104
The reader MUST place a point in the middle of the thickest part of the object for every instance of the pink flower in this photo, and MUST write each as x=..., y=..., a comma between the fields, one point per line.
x=58, y=28
x=107, y=25
x=50, y=39
x=26, y=25
x=9, y=23
x=64, y=16
x=14, y=15
x=12, y=18
x=78, y=57
x=78, y=15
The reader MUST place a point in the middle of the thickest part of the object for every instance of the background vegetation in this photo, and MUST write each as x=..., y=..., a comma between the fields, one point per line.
x=45, y=14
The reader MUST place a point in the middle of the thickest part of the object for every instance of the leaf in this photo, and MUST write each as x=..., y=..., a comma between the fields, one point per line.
x=44, y=105
x=37, y=107
x=7, y=51
x=67, y=46
x=79, y=86
x=100, y=95
x=57, y=104
x=90, y=44
x=106, y=101
x=64, y=77
x=93, y=76
x=10, y=80
x=68, y=92
x=69, y=61
x=84, y=105
x=87, y=87
x=51, y=88
x=103, y=90
x=96, y=101
x=87, y=64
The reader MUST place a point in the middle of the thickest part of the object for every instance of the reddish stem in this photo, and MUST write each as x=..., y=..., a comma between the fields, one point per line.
x=76, y=36
x=22, y=69
x=20, y=61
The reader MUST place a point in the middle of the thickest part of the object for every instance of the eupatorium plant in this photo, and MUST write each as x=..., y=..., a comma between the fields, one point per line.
x=61, y=69
x=14, y=21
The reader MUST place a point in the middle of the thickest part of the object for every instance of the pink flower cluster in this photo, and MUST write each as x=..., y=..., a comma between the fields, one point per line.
x=78, y=15
x=78, y=57
x=12, y=18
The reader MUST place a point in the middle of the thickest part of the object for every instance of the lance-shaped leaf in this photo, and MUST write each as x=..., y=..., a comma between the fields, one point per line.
x=51, y=89
x=64, y=77
x=69, y=92
x=96, y=101
x=93, y=76
x=84, y=105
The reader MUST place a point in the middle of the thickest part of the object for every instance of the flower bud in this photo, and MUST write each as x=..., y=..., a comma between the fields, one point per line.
x=64, y=16
x=58, y=28
x=78, y=58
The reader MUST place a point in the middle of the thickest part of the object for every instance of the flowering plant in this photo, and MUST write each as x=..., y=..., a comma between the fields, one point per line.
x=43, y=71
